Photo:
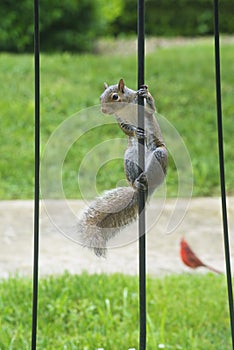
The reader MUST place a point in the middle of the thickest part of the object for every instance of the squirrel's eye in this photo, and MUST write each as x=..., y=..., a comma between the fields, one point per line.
x=115, y=97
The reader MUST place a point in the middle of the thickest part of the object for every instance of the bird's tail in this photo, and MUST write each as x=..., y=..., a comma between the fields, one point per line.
x=106, y=216
x=212, y=269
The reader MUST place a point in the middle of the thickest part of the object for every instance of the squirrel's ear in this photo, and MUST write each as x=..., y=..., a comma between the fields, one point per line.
x=121, y=85
x=105, y=86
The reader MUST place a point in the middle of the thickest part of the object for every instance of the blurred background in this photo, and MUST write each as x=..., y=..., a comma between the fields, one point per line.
x=75, y=25
x=87, y=42
x=83, y=44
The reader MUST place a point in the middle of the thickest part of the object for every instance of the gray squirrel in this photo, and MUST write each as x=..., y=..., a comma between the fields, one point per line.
x=118, y=207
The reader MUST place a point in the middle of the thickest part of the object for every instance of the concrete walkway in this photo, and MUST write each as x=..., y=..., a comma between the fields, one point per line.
x=200, y=223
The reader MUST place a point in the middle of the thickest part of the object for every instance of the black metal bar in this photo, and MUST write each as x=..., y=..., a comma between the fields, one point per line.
x=221, y=165
x=36, y=174
x=141, y=161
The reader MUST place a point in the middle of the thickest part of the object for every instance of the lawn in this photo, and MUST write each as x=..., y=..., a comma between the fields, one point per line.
x=88, y=312
x=180, y=78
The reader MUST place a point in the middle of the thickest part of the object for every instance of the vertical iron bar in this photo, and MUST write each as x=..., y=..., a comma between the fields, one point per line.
x=36, y=174
x=221, y=165
x=141, y=162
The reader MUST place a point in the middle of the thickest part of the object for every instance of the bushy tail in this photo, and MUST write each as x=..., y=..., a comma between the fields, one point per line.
x=106, y=216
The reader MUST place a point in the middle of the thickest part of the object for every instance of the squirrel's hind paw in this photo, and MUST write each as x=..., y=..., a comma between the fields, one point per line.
x=141, y=183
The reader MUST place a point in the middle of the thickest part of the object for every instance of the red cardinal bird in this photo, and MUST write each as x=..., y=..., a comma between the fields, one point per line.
x=190, y=259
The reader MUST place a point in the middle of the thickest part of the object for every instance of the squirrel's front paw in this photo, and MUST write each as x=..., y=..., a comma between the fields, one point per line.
x=143, y=91
x=140, y=133
x=141, y=183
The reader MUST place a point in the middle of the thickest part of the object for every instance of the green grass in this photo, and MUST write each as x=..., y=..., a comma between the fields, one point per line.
x=186, y=312
x=180, y=78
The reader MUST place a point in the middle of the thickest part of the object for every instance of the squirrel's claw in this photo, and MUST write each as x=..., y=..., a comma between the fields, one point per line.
x=140, y=133
x=145, y=87
x=141, y=183
x=143, y=91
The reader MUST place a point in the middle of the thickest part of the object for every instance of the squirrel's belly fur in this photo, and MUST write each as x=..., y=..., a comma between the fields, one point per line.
x=100, y=222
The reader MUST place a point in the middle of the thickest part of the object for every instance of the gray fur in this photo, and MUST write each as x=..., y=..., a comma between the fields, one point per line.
x=110, y=213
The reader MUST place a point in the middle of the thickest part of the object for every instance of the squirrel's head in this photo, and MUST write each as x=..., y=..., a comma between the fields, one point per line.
x=111, y=95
